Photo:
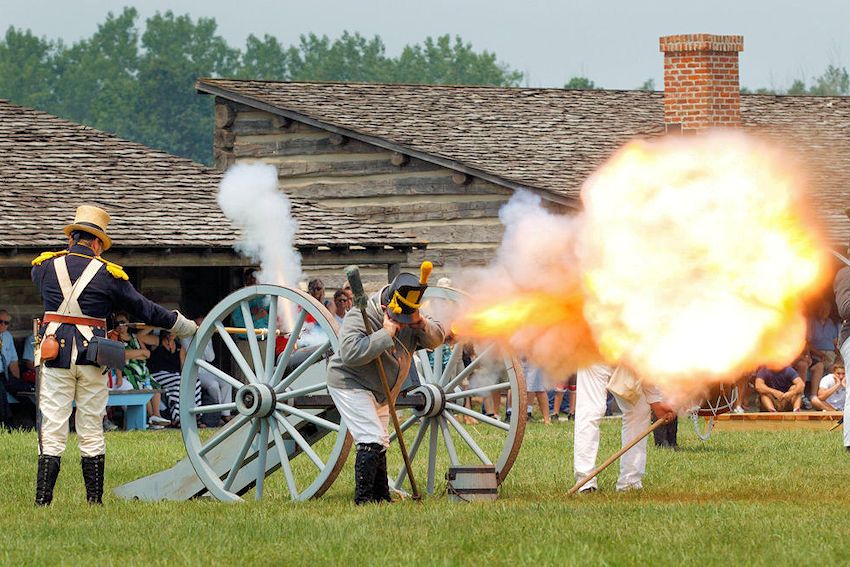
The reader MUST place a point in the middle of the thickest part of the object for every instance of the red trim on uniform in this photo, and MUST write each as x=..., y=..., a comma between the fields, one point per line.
x=87, y=321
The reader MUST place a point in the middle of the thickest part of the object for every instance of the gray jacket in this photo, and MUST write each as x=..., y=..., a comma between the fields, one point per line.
x=841, y=287
x=353, y=366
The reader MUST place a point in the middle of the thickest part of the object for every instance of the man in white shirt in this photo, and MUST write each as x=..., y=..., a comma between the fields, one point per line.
x=832, y=391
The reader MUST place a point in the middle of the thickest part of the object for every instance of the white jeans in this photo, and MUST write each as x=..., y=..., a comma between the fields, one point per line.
x=59, y=388
x=365, y=418
x=590, y=408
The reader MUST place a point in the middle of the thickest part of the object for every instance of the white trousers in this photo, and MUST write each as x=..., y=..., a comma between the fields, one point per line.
x=365, y=418
x=60, y=387
x=590, y=408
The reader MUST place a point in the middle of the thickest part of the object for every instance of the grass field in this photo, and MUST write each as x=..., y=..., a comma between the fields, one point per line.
x=740, y=498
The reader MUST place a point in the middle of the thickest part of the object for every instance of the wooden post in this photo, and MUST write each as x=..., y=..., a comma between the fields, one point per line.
x=392, y=271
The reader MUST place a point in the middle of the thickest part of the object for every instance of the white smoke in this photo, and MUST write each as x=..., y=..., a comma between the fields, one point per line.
x=249, y=196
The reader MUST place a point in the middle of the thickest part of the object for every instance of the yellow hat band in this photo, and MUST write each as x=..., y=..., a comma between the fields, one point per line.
x=394, y=303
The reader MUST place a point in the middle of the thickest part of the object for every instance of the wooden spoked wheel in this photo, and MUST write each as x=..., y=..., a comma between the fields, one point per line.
x=450, y=429
x=282, y=418
x=720, y=398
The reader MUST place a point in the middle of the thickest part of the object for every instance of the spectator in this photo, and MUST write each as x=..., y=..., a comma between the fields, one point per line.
x=534, y=385
x=10, y=375
x=259, y=308
x=316, y=288
x=832, y=391
x=136, y=374
x=166, y=365
x=219, y=391
x=558, y=403
x=346, y=287
x=27, y=361
x=779, y=390
x=341, y=305
x=821, y=348
x=444, y=282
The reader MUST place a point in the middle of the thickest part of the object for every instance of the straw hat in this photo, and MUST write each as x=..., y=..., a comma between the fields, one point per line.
x=92, y=220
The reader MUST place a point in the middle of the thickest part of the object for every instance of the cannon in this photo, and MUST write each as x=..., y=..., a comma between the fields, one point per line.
x=285, y=421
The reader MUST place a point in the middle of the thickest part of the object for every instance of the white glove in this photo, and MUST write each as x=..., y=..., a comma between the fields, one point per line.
x=183, y=327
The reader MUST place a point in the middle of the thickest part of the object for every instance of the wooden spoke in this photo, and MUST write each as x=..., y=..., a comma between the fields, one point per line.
x=404, y=427
x=479, y=416
x=220, y=374
x=321, y=422
x=234, y=351
x=231, y=428
x=468, y=370
x=301, y=391
x=478, y=391
x=240, y=456
x=432, y=457
x=253, y=343
x=283, y=359
x=308, y=362
x=284, y=461
x=213, y=407
x=467, y=438
x=438, y=363
x=427, y=372
x=271, y=336
x=261, y=459
x=299, y=439
x=457, y=351
x=450, y=444
x=423, y=427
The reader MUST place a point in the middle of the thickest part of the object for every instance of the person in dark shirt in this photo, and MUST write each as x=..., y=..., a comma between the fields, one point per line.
x=779, y=389
x=80, y=289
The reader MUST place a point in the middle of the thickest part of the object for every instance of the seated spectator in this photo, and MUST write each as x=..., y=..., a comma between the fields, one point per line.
x=27, y=360
x=166, y=365
x=136, y=373
x=10, y=374
x=832, y=391
x=821, y=348
x=219, y=391
x=316, y=288
x=341, y=305
x=346, y=287
x=259, y=309
x=779, y=390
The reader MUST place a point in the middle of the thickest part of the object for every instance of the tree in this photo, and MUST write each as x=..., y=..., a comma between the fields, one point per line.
x=648, y=85
x=442, y=62
x=264, y=59
x=169, y=114
x=833, y=82
x=27, y=74
x=581, y=83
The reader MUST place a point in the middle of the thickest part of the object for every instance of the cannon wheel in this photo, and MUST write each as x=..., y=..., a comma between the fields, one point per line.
x=449, y=437
x=266, y=432
x=716, y=403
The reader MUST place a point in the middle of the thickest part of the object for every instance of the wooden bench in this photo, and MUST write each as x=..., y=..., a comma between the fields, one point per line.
x=817, y=420
x=135, y=406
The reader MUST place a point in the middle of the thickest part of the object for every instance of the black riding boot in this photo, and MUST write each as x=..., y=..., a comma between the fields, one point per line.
x=93, y=478
x=365, y=470
x=48, y=471
x=381, y=489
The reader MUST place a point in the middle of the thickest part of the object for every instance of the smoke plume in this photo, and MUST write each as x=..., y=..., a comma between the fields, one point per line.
x=249, y=196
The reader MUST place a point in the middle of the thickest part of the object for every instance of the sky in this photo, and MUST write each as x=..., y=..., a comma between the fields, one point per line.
x=612, y=42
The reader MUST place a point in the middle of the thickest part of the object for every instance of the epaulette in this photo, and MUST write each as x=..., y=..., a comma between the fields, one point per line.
x=47, y=256
x=114, y=269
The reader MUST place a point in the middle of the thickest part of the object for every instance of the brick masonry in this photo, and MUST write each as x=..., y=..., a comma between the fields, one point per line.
x=701, y=85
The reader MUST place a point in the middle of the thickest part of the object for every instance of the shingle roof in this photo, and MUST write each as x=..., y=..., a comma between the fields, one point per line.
x=545, y=139
x=48, y=166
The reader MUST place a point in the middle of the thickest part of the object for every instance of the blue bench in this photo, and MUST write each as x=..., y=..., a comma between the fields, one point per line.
x=135, y=406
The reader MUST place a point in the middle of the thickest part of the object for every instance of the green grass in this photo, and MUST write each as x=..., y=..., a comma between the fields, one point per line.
x=754, y=498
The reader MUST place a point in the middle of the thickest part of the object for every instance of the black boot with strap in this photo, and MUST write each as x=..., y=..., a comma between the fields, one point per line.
x=48, y=471
x=93, y=478
x=365, y=470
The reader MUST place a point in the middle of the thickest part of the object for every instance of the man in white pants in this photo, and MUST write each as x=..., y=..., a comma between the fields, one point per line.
x=353, y=380
x=591, y=396
x=841, y=287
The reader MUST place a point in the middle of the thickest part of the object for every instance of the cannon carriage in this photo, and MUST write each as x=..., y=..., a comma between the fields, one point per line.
x=285, y=421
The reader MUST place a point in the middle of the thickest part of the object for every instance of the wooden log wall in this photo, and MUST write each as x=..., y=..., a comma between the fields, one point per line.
x=456, y=214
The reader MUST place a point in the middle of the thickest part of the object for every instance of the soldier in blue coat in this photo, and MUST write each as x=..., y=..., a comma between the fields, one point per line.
x=80, y=289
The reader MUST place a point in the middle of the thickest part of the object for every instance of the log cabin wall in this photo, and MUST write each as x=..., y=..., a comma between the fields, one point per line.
x=456, y=214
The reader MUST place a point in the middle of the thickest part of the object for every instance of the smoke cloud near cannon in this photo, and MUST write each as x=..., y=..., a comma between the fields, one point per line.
x=250, y=198
x=691, y=262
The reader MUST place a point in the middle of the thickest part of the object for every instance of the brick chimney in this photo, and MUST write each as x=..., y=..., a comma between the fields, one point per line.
x=701, y=87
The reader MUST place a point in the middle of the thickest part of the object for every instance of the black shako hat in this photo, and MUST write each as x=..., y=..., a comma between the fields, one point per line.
x=403, y=296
